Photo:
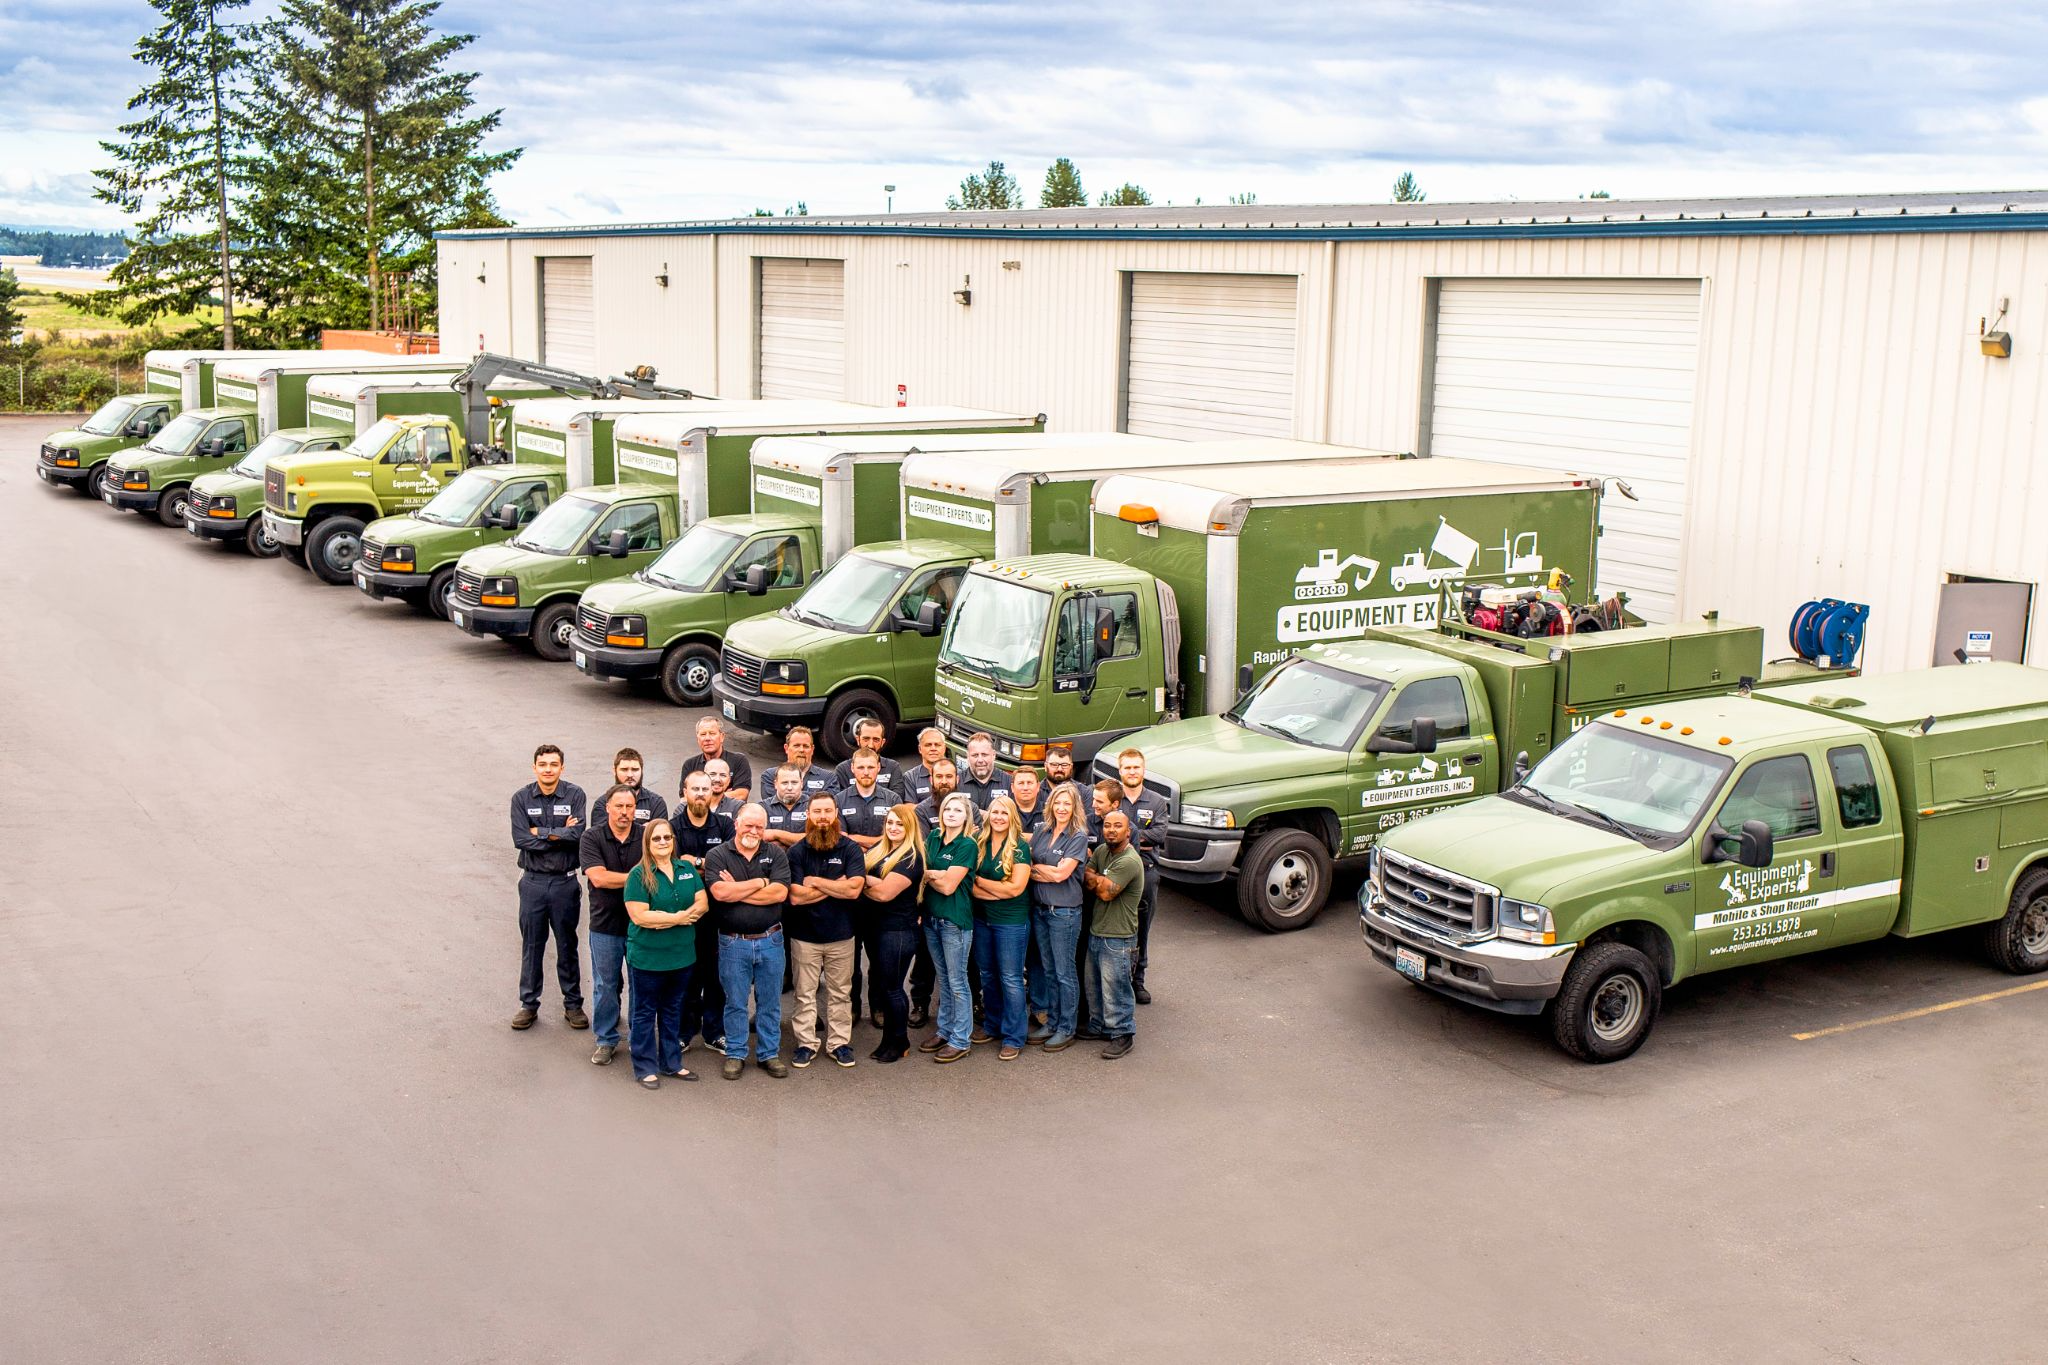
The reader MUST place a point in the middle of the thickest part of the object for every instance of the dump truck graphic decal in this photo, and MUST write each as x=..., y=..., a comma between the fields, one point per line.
x=1328, y=588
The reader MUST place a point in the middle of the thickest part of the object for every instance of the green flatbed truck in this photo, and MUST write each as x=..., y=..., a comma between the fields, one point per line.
x=1198, y=575
x=156, y=476
x=1662, y=842
x=77, y=457
x=860, y=641
x=227, y=505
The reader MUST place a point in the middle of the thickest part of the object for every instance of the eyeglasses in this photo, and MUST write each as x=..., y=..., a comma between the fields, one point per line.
x=662, y=839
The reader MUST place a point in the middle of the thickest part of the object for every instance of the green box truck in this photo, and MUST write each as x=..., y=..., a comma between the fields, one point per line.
x=858, y=641
x=77, y=458
x=156, y=476
x=188, y=375
x=1661, y=842
x=580, y=433
x=1196, y=575
x=228, y=505
x=275, y=386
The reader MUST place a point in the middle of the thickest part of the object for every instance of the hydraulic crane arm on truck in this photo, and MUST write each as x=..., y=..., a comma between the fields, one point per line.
x=488, y=369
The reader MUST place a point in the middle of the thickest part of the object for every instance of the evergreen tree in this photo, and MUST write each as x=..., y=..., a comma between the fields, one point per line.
x=994, y=188
x=1406, y=191
x=11, y=316
x=1125, y=195
x=174, y=170
x=1244, y=199
x=365, y=125
x=1062, y=187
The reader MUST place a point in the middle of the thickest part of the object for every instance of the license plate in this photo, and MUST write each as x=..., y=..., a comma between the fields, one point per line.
x=582, y=659
x=457, y=618
x=732, y=712
x=362, y=579
x=1411, y=964
x=107, y=497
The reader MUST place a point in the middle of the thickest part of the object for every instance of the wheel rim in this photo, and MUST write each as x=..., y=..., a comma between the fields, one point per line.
x=259, y=534
x=849, y=729
x=341, y=552
x=174, y=509
x=693, y=675
x=1290, y=883
x=2034, y=929
x=1616, y=1008
x=563, y=631
x=446, y=596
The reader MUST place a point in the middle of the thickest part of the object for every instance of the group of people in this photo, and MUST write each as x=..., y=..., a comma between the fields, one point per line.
x=1007, y=908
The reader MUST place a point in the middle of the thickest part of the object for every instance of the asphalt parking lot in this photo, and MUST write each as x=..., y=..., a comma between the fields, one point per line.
x=258, y=1099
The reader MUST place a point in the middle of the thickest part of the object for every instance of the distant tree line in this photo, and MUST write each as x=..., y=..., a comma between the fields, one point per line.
x=63, y=248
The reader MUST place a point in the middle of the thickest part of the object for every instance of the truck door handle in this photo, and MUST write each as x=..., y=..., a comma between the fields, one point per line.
x=1827, y=864
x=1134, y=692
x=1475, y=758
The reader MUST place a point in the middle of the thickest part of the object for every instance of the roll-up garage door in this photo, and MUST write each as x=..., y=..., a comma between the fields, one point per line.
x=802, y=308
x=1592, y=376
x=568, y=314
x=1209, y=355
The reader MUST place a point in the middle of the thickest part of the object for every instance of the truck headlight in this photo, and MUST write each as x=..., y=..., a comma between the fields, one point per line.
x=1207, y=817
x=1010, y=749
x=65, y=456
x=136, y=479
x=291, y=502
x=630, y=632
x=785, y=678
x=1525, y=922
x=499, y=592
x=397, y=558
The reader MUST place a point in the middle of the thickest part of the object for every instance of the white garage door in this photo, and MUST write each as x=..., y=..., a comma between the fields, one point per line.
x=1592, y=376
x=802, y=308
x=1209, y=355
x=568, y=314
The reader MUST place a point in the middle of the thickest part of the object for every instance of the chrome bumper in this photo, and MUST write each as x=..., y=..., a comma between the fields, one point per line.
x=1515, y=978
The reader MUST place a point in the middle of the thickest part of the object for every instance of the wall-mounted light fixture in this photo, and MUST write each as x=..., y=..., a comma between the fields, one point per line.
x=1991, y=341
x=964, y=295
x=662, y=278
x=479, y=274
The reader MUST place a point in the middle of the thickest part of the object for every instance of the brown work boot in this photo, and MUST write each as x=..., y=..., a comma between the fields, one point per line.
x=525, y=1018
x=575, y=1017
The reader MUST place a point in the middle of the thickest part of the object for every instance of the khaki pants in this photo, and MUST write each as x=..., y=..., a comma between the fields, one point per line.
x=835, y=960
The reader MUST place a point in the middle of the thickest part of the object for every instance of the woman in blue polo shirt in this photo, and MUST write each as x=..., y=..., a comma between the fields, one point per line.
x=664, y=899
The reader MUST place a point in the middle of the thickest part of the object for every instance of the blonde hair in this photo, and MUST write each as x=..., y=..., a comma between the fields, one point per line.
x=1006, y=853
x=883, y=855
x=1077, y=815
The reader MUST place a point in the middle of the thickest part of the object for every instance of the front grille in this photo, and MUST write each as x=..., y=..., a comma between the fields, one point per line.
x=742, y=671
x=371, y=555
x=1435, y=900
x=273, y=489
x=469, y=585
x=593, y=621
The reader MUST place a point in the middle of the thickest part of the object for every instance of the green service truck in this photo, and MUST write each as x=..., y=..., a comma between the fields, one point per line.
x=685, y=465
x=814, y=498
x=863, y=644
x=156, y=476
x=351, y=402
x=188, y=375
x=274, y=386
x=1662, y=842
x=1197, y=575
x=227, y=506
x=77, y=458
x=1320, y=758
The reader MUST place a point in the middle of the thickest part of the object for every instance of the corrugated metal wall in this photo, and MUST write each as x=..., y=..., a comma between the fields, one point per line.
x=1848, y=439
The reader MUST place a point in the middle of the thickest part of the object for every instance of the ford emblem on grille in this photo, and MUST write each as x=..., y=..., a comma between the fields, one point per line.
x=1420, y=896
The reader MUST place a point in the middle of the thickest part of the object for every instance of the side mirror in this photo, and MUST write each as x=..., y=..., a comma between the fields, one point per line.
x=1105, y=633
x=930, y=617
x=214, y=446
x=1422, y=739
x=1521, y=765
x=1245, y=678
x=506, y=518
x=756, y=582
x=1425, y=734
x=1754, y=845
x=616, y=547
x=139, y=427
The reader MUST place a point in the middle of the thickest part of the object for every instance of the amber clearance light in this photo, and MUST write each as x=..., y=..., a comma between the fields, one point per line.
x=227, y=513
x=630, y=641
x=1136, y=512
x=490, y=601
x=783, y=689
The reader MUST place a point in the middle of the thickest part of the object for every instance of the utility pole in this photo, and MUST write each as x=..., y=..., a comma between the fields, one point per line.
x=890, y=190
x=220, y=180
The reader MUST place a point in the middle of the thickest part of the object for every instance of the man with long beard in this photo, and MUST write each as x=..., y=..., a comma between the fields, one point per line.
x=827, y=872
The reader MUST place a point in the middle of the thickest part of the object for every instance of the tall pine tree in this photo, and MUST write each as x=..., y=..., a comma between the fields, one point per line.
x=1062, y=187
x=364, y=125
x=174, y=171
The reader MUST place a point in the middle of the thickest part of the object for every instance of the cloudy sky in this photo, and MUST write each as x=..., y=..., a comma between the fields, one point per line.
x=640, y=109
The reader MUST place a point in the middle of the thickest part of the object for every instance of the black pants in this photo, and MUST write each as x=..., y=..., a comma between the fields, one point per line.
x=924, y=977
x=894, y=949
x=704, y=1000
x=1147, y=904
x=549, y=903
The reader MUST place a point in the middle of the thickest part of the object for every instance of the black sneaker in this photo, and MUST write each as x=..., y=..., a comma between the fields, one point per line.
x=1144, y=997
x=801, y=1058
x=1118, y=1047
x=919, y=1017
x=843, y=1055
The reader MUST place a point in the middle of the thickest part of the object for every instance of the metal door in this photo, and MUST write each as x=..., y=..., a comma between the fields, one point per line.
x=1982, y=619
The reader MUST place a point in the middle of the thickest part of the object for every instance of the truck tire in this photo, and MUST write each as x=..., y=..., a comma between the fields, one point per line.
x=1283, y=880
x=2018, y=943
x=332, y=548
x=848, y=710
x=686, y=673
x=441, y=591
x=259, y=542
x=96, y=482
x=553, y=626
x=170, y=506
x=295, y=554
x=1608, y=1003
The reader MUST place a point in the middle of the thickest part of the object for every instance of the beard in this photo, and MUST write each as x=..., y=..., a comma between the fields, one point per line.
x=822, y=835
x=699, y=809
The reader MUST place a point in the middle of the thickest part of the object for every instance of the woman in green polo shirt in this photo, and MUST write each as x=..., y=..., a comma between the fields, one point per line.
x=1002, y=924
x=949, y=858
x=664, y=899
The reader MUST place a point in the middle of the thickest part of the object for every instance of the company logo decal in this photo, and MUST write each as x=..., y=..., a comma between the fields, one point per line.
x=539, y=444
x=340, y=412
x=952, y=514
x=768, y=486
x=1330, y=598
x=641, y=460
x=1428, y=780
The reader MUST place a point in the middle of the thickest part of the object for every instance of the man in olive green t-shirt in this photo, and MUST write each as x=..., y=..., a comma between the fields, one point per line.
x=1115, y=877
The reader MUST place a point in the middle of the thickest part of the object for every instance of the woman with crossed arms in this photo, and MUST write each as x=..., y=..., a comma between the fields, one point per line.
x=664, y=899
x=1002, y=925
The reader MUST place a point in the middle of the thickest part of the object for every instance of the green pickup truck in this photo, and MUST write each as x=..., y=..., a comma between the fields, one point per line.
x=1663, y=841
x=228, y=505
x=77, y=457
x=315, y=505
x=156, y=476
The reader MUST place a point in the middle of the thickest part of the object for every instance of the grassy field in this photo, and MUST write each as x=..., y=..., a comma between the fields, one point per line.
x=45, y=313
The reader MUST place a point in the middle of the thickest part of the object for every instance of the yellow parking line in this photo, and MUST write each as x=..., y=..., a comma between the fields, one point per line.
x=1916, y=1014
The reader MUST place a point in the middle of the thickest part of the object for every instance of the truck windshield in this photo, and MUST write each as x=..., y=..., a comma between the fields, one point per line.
x=180, y=434
x=997, y=630
x=272, y=447
x=851, y=595
x=112, y=416
x=457, y=503
x=692, y=563
x=1654, y=787
x=371, y=440
x=1310, y=704
x=564, y=529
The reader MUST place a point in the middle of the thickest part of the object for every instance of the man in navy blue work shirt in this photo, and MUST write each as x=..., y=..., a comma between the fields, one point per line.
x=868, y=737
x=798, y=750
x=547, y=825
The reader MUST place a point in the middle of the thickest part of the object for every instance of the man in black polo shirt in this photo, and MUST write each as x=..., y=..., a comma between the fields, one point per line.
x=699, y=830
x=863, y=804
x=798, y=751
x=647, y=805
x=547, y=823
x=826, y=875
x=608, y=852
x=868, y=737
x=982, y=779
x=711, y=744
x=749, y=883
x=917, y=780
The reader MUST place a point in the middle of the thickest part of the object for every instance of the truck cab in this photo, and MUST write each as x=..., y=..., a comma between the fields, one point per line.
x=527, y=588
x=669, y=620
x=228, y=505
x=316, y=505
x=412, y=557
x=156, y=476
x=77, y=457
x=861, y=643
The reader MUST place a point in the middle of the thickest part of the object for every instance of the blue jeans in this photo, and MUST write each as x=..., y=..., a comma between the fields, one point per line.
x=657, y=1032
x=607, y=979
x=752, y=965
x=999, y=951
x=1112, y=999
x=1056, y=929
x=950, y=947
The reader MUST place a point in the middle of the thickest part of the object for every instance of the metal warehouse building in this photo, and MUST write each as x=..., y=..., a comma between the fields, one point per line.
x=1804, y=394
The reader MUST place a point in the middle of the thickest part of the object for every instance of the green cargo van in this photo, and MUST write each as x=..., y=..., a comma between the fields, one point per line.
x=77, y=458
x=412, y=557
x=156, y=476
x=1662, y=842
x=228, y=505
x=275, y=386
